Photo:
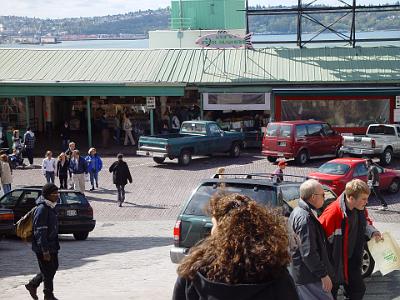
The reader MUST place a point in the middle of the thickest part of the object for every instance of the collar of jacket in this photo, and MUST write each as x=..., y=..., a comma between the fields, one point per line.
x=342, y=204
x=308, y=207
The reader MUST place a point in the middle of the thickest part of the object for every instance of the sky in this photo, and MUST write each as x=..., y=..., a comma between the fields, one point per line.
x=89, y=8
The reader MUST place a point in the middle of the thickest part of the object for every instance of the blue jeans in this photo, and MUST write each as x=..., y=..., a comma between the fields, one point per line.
x=50, y=177
x=6, y=188
x=94, y=176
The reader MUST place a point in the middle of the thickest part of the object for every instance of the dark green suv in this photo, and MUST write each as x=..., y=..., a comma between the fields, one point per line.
x=193, y=223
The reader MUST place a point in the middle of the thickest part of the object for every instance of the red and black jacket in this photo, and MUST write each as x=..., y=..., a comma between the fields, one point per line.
x=334, y=220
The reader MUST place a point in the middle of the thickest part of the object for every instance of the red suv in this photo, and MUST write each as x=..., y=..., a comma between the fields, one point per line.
x=300, y=140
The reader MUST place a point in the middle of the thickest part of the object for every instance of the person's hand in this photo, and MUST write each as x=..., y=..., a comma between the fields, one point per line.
x=46, y=256
x=326, y=283
x=378, y=236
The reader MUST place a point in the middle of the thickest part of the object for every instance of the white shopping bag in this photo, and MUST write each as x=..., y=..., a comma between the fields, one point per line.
x=386, y=254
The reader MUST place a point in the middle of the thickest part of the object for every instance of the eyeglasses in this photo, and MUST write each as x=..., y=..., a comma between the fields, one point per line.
x=323, y=195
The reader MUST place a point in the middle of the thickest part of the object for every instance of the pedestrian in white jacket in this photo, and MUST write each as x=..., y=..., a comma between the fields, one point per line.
x=6, y=175
x=49, y=167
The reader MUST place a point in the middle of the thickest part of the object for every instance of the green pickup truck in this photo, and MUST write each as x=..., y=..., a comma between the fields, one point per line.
x=194, y=138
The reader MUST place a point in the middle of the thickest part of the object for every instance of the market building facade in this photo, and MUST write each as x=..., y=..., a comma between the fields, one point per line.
x=242, y=89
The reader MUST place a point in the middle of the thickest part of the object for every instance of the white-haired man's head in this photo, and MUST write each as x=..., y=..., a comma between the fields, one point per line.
x=312, y=192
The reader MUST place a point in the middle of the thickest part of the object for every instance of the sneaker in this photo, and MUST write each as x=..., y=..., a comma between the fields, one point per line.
x=120, y=204
x=383, y=208
x=92, y=189
x=32, y=291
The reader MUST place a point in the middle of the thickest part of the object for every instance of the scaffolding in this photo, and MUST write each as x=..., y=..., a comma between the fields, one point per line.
x=307, y=11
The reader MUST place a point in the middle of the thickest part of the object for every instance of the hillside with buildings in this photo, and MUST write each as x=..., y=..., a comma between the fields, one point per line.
x=137, y=25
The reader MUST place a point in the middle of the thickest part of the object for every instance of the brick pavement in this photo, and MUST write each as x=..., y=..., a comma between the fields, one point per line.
x=159, y=190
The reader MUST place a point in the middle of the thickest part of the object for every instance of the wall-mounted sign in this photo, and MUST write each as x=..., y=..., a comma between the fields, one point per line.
x=151, y=102
x=223, y=39
x=397, y=101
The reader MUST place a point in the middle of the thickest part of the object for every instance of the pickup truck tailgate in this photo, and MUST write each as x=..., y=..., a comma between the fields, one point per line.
x=148, y=142
x=357, y=142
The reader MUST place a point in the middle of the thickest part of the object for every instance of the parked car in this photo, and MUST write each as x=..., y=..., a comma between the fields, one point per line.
x=381, y=140
x=193, y=224
x=336, y=173
x=301, y=140
x=75, y=215
x=6, y=222
x=194, y=138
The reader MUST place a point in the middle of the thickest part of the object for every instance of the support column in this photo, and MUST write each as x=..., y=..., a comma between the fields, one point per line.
x=27, y=112
x=89, y=121
x=152, y=121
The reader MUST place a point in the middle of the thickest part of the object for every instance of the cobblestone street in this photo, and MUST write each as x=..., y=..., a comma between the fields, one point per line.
x=127, y=255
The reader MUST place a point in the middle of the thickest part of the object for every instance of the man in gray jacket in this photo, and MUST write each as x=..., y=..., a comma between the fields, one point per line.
x=310, y=267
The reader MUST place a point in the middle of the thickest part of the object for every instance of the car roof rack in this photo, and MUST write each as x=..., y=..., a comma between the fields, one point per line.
x=257, y=176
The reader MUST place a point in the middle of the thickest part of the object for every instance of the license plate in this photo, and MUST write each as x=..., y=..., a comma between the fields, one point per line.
x=71, y=213
x=282, y=144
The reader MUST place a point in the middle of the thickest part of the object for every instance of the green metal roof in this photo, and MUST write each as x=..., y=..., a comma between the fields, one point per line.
x=178, y=67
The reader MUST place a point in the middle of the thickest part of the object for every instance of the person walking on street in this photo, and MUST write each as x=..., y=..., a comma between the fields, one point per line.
x=69, y=153
x=16, y=140
x=45, y=242
x=127, y=126
x=6, y=175
x=121, y=176
x=78, y=168
x=310, y=268
x=373, y=182
x=62, y=170
x=95, y=164
x=49, y=167
x=245, y=257
x=65, y=136
x=29, y=142
x=117, y=127
x=346, y=225
x=278, y=173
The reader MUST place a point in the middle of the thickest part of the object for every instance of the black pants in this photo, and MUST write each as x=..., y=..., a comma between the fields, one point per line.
x=355, y=289
x=121, y=192
x=29, y=154
x=375, y=190
x=47, y=271
x=63, y=181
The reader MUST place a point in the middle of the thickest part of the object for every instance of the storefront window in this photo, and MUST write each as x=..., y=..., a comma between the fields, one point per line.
x=338, y=113
x=13, y=113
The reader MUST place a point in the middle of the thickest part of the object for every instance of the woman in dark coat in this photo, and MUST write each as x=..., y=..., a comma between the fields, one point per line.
x=121, y=176
x=62, y=170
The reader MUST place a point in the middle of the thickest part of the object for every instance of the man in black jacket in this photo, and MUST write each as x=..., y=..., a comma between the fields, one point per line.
x=373, y=182
x=45, y=242
x=121, y=175
x=310, y=267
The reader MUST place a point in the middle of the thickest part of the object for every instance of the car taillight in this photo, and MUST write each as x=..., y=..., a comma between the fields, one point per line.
x=7, y=217
x=177, y=231
x=88, y=211
x=373, y=143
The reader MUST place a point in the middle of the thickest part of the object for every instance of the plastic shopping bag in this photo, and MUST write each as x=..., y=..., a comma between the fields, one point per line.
x=386, y=254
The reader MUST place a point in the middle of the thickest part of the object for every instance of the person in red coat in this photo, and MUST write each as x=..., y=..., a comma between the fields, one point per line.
x=347, y=225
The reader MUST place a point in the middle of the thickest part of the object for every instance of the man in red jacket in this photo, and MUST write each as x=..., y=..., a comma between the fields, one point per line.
x=346, y=224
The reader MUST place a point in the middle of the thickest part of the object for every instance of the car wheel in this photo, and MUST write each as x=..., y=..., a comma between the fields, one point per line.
x=394, y=187
x=81, y=236
x=235, y=150
x=386, y=157
x=302, y=157
x=367, y=263
x=272, y=159
x=159, y=160
x=185, y=158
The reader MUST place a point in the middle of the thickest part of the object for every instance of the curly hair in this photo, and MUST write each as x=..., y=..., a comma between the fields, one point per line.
x=250, y=244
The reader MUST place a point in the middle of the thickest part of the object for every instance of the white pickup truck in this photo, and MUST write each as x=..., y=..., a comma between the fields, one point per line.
x=381, y=140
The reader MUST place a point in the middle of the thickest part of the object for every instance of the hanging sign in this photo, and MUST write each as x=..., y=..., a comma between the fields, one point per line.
x=151, y=102
x=223, y=40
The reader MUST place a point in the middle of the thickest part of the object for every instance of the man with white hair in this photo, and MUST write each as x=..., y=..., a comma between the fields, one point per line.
x=310, y=267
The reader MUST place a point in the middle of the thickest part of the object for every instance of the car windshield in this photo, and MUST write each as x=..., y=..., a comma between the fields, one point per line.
x=197, y=204
x=72, y=198
x=334, y=168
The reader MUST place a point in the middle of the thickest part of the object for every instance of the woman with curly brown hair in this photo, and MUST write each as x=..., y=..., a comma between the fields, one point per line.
x=245, y=257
